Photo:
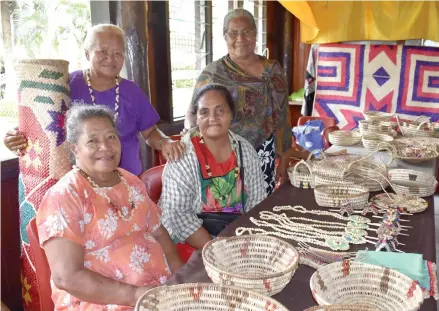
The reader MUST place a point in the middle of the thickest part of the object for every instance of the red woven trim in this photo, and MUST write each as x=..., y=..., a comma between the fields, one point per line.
x=346, y=267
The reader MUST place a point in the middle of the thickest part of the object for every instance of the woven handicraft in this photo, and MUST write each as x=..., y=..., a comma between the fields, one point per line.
x=259, y=263
x=354, y=78
x=201, y=296
x=350, y=282
x=43, y=98
x=351, y=169
x=353, y=307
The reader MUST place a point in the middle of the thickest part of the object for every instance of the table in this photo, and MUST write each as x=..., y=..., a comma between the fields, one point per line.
x=297, y=295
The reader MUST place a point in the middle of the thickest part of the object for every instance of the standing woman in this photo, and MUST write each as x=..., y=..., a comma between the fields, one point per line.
x=259, y=90
x=100, y=84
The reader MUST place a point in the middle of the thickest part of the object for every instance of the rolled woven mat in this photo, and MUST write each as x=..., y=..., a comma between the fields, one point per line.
x=43, y=98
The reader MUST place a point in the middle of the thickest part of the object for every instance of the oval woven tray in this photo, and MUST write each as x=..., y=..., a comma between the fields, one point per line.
x=337, y=195
x=203, y=297
x=351, y=282
x=411, y=204
x=261, y=263
x=412, y=182
x=344, y=138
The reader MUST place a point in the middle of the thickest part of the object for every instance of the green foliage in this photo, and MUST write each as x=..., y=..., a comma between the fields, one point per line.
x=188, y=83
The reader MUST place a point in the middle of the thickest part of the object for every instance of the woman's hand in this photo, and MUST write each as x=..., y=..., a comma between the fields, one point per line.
x=172, y=150
x=138, y=293
x=15, y=141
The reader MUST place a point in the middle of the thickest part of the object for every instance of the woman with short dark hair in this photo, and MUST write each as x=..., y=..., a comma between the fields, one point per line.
x=217, y=179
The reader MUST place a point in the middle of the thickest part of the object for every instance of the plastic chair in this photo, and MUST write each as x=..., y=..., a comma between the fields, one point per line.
x=152, y=179
x=41, y=266
x=159, y=158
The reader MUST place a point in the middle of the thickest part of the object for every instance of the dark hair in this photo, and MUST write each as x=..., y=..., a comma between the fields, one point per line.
x=77, y=114
x=213, y=87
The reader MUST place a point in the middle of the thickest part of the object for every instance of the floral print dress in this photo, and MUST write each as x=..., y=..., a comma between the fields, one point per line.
x=122, y=250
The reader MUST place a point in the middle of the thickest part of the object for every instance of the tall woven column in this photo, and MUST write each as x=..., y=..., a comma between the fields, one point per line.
x=43, y=98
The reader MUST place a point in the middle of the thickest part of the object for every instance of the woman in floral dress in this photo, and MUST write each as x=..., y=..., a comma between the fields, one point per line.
x=100, y=230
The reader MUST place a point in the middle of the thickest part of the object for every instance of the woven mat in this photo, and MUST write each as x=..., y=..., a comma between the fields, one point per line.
x=43, y=98
x=353, y=78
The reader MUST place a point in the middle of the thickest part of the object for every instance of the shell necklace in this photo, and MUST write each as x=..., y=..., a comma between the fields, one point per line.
x=93, y=99
x=122, y=212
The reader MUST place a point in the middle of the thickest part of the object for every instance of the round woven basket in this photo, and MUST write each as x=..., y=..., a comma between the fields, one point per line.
x=337, y=195
x=348, y=180
x=261, y=263
x=377, y=116
x=423, y=141
x=372, y=127
x=205, y=296
x=371, y=141
x=412, y=204
x=351, y=282
x=413, y=182
x=344, y=138
x=354, y=307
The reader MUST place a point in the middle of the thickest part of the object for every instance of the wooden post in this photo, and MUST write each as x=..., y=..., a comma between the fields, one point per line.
x=131, y=16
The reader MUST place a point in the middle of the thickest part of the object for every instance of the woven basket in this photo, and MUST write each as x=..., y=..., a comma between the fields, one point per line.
x=351, y=282
x=301, y=175
x=412, y=182
x=415, y=152
x=354, y=307
x=344, y=138
x=414, y=128
x=423, y=141
x=348, y=180
x=412, y=204
x=371, y=141
x=261, y=263
x=337, y=195
x=340, y=167
x=372, y=127
x=377, y=116
x=202, y=296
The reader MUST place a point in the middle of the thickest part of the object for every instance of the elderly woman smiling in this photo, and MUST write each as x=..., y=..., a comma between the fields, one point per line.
x=217, y=179
x=100, y=230
x=100, y=84
x=259, y=90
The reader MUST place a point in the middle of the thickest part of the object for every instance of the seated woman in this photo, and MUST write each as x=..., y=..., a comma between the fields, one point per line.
x=217, y=179
x=100, y=230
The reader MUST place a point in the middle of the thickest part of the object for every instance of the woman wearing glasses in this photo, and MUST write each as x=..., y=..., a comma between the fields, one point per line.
x=259, y=90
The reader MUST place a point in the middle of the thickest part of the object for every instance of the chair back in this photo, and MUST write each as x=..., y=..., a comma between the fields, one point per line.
x=152, y=179
x=159, y=158
x=328, y=122
x=41, y=267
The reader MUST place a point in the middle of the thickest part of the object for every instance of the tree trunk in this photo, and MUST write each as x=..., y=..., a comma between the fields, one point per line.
x=6, y=9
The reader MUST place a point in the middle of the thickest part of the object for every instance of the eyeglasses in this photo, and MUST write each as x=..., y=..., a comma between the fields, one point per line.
x=248, y=34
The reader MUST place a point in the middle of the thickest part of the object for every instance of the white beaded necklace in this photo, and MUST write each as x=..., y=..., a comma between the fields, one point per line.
x=93, y=99
x=102, y=191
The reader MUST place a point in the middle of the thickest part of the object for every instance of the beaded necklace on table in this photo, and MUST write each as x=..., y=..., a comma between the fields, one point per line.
x=93, y=99
x=101, y=191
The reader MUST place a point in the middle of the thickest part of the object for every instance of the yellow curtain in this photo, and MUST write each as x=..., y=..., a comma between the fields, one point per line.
x=337, y=21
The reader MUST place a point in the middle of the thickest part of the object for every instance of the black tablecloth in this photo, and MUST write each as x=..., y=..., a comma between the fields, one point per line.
x=297, y=295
